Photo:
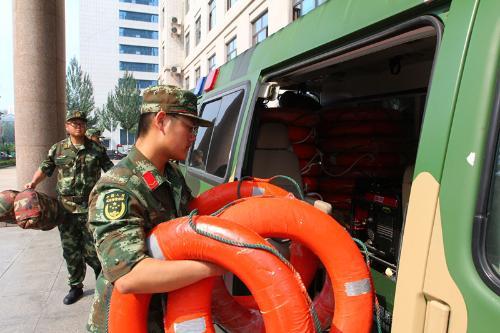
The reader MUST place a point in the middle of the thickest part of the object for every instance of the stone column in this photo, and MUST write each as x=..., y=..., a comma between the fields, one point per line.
x=39, y=84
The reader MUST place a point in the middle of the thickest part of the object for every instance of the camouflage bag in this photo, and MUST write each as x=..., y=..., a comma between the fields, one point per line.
x=34, y=210
x=7, y=206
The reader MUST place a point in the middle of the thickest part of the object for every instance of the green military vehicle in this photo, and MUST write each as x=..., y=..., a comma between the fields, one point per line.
x=389, y=111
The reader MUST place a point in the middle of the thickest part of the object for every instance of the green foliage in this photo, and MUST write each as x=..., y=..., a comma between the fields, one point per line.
x=7, y=163
x=105, y=117
x=7, y=147
x=125, y=103
x=80, y=92
x=7, y=132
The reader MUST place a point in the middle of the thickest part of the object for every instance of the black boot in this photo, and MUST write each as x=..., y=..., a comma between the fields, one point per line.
x=75, y=293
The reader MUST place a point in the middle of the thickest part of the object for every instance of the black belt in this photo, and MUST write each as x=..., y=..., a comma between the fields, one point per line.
x=75, y=199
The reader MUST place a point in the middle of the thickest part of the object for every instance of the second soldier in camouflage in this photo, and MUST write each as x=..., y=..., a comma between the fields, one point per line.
x=78, y=162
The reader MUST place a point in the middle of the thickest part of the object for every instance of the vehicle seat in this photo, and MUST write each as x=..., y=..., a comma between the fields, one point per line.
x=274, y=156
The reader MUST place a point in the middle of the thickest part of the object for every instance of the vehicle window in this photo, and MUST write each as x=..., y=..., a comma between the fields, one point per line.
x=492, y=239
x=199, y=154
x=213, y=145
x=222, y=137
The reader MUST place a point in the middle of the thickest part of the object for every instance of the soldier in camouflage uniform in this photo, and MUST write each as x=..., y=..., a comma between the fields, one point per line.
x=78, y=161
x=94, y=134
x=141, y=191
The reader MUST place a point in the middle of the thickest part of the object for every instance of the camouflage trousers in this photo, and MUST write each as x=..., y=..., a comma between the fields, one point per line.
x=78, y=248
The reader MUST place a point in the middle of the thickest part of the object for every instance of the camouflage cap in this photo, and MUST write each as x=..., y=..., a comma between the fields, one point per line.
x=93, y=132
x=76, y=114
x=172, y=100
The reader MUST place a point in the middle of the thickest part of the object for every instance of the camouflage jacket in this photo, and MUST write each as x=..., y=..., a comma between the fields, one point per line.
x=126, y=203
x=77, y=171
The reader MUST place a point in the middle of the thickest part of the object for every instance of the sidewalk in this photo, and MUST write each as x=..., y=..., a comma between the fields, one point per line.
x=33, y=280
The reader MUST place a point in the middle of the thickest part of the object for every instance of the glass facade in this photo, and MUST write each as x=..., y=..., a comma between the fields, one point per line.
x=138, y=33
x=230, y=3
x=140, y=50
x=142, y=2
x=211, y=14
x=259, y=29
x=231, y=49
x=143, y=84
x=211, y=62
x=135, y=16
x=138, y=67
x=186, y=45
x=197, y=25
x=302, y=7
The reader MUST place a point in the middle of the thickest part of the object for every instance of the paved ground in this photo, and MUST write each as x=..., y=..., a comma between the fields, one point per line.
x=33, y=280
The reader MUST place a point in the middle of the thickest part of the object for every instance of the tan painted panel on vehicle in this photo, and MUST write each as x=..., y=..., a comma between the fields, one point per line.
x=439, y=283
x=410, y=303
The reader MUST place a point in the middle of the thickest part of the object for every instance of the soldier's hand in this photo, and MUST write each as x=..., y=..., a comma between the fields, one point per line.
x=215, y=270
x=30, y=185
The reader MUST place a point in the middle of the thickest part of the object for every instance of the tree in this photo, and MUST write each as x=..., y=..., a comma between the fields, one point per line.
x=126, y=103
x=79, y=91
x=104, y=114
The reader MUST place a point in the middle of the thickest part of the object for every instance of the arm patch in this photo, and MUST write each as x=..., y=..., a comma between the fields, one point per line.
x=115, y=205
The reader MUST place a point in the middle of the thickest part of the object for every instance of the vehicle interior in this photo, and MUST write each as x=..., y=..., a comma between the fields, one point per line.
x=346, y=129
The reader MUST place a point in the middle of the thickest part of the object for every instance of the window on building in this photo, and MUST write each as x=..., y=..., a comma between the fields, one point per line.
x=186, y=82
x=211, y=14
x=187, y=5
x=140, y=50
x=142, y=2
x=123, y=137
x=162, y=56
x=230, y=3
x=211, y=62
x=186, y=44
x=138, y=33
x=212, y=146
x=231, y=49
x=138, y=67
x=135, y=16
x=259, y=29
x=197, y=25
x=143, y=84
x=197, y=74
x=302, y=7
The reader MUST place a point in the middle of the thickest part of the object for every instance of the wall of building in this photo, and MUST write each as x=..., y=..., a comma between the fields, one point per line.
x=233, y=22
x=100, y=41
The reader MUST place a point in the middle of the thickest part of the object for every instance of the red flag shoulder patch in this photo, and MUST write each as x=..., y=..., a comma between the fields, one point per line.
x=150, y=180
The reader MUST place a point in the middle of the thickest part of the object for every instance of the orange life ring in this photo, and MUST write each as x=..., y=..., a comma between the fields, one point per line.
x=343, y=261
x=280, y=294
x=304, y=150
x=300, y=134
x=290, y=116
x=360, y=114
x=216, y=197
x=364, y=128
x=364, y=144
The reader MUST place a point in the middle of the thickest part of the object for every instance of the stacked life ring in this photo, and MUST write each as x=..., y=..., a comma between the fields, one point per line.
x=345, y=266
x=279, y=293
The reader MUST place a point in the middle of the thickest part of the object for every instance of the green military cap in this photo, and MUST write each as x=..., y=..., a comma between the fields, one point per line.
x=172, y=100
x=76, y=114
x=93, y=132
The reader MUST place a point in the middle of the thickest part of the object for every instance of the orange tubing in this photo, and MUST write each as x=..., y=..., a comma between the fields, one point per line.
x=216, y=197
x=279, y=293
